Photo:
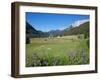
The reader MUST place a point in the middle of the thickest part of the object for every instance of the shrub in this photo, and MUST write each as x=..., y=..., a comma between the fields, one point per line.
x=88, y=42
x=27, y=40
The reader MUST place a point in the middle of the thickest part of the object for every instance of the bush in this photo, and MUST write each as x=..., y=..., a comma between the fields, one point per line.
x=27, y=40
x=88, y=42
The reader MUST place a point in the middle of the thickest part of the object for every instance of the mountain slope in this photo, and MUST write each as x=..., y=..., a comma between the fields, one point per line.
x=82, y=29
x=33, y=33
x=30, y=31
x=79, y=22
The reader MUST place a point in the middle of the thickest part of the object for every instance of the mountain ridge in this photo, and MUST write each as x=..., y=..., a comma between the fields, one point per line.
x=83, y=28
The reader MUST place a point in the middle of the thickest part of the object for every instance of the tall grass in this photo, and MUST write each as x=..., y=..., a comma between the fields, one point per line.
x=56, y=51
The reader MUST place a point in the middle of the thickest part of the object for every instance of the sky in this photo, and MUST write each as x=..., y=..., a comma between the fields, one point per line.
x=49, y=21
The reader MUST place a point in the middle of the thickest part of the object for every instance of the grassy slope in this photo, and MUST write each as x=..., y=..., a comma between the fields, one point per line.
x=56, y=51
x=82, y=29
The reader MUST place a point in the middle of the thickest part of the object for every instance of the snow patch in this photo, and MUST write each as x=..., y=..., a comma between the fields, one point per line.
x=79, y=22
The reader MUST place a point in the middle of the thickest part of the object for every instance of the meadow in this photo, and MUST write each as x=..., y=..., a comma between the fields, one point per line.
x=55, y=51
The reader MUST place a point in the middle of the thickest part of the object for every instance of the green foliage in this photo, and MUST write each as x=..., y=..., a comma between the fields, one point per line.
x=57, y=51
x=66, y=47
x=27, y=40
x=88, y=42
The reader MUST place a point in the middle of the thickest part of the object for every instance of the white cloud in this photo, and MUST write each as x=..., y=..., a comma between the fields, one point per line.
x=79, y=22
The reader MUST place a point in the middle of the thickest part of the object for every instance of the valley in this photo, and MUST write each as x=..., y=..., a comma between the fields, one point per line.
x=69, y=46
x=68, y=50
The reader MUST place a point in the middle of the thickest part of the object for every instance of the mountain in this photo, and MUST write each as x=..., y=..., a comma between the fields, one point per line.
x=31, y=32
x=78, y=27
x=54, y=33
x=81, y=29
x=79, y=22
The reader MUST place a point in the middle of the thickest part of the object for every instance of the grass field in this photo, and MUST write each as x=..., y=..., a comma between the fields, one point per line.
x=68, y=50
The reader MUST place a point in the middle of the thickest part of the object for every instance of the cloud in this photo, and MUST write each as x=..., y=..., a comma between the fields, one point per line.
x=79, y=22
